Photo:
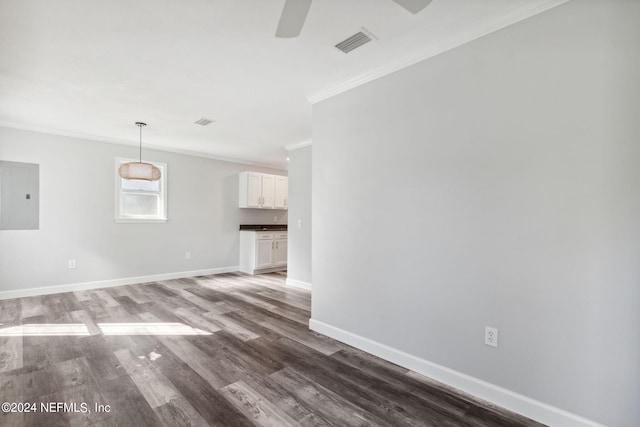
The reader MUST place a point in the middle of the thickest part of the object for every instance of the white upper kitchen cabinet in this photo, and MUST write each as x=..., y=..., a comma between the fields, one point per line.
x=262, y=191
x=268, y=191
x=250, y=190
x=282, y=192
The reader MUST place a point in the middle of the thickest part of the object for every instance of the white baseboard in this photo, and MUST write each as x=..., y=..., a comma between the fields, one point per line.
x=298, y=284
x=507, y=399
x=46, y=290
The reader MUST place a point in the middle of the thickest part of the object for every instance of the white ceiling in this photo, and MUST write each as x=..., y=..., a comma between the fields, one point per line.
x=92, y=68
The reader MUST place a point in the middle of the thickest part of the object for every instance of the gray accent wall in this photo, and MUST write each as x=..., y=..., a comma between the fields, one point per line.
x=299, y=256
x=495, y=184
x=77, y=215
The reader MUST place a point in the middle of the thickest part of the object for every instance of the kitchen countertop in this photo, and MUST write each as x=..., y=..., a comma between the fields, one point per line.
x=263, y=227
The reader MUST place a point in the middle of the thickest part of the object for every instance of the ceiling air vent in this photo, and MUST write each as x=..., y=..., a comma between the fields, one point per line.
x=203, y=122
x=355, y=41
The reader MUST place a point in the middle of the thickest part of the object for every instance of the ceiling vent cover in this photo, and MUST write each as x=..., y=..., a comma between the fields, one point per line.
x=203, y=122
x=355, y=41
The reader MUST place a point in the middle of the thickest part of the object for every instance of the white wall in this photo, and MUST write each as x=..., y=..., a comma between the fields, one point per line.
x=495, y=184
x=77, y=215
x=299, y=256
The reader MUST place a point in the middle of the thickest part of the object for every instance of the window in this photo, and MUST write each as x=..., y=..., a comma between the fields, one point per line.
x=141, y=201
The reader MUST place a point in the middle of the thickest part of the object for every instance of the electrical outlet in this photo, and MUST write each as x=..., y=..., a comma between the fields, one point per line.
x=187, y=255
x=491, y=336
x=275, y=219
x=299, y=223
x=72, y=263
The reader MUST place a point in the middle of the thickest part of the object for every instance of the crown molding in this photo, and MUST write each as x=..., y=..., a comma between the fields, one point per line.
x=482, y=28
x=109, y=140
x=297, y=145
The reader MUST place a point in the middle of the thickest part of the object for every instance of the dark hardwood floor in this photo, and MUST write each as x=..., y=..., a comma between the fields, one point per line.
x=224, y=350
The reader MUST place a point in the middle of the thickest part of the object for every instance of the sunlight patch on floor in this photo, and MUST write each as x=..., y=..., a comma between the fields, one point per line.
x=142, y=328
x=80, y=329
x=45, y=329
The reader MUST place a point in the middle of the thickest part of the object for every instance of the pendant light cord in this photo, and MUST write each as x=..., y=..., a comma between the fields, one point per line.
x=140, y=125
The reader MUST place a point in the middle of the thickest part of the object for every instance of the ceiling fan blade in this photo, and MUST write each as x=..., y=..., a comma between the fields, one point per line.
x=292, y=19
x=413, y=6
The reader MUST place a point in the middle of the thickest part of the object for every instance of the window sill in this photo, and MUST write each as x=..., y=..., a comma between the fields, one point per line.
x=140, y=221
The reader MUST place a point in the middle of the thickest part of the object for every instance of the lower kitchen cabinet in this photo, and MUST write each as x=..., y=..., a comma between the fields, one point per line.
x=263, y=251
x=280, y=252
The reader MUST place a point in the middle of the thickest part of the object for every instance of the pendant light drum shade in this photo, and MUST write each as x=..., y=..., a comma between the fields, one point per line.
x=139, y=170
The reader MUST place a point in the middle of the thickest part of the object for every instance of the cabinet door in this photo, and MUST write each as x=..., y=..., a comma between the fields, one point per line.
x=264, y=253
x=254, y=189
x=280, y=252
x=282, y=190
x=268, y=191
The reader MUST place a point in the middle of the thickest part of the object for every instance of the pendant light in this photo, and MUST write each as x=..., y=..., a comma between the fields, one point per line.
x=139, y=170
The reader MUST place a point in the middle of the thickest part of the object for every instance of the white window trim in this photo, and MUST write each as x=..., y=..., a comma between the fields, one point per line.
x=118, y=190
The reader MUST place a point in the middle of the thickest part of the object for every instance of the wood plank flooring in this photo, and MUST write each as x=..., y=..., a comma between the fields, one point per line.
x=223, y=350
